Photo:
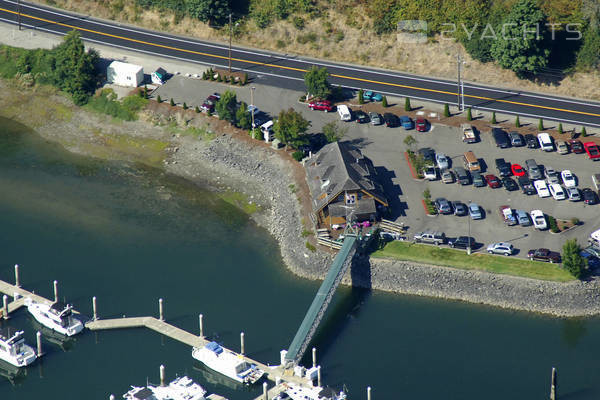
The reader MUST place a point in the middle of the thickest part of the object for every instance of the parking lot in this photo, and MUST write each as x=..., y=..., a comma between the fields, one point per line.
x=386, y=149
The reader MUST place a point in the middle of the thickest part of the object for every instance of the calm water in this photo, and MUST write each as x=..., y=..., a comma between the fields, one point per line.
x=129, y=235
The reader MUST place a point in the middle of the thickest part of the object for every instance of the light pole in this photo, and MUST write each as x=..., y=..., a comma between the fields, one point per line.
x=469, y=237
x=230, y=34
x=19, y=13
x=459, y=85
x=252, y=104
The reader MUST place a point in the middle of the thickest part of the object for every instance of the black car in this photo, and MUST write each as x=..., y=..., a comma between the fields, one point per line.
x=589, y=196
x=526, y=185
x=461, y=242
x=516, y=139
x=509, y=184
x=443, y=206
x=361, y=117
x=391, y=120
x=462, y=176
x=503, y=167
x=531, y=141
x=460, y=209
x=428, y=154
x=478, y=180
x=501, y=138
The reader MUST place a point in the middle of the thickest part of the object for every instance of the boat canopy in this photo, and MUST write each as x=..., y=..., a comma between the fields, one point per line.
x=215, y=347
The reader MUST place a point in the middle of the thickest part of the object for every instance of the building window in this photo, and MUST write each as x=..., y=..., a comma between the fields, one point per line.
x=351, y=198
x=128, y=78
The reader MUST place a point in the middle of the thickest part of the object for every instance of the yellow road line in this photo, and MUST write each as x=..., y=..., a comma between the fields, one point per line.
x=298, y=69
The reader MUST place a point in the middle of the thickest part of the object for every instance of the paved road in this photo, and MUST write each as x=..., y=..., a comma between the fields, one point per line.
x=287, y=72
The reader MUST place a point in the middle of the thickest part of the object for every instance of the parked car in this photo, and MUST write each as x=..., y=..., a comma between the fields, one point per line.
x=562, y=147
x=493, y=181
x=361, y=117
x=533, y=170
x=541, y=188
x=430, y=173
x=501, y=248
x=557, y=191
x=503, y=167
x=475, y=211
x=522, y=218
x=573, y=194
x=568, y=179
x=526, y=185
x=592, y=150
x=539, y=219
x=546, y=141
x=433, y=237
x=462, y=176
x=516, y=139
x=507, y=215
x=478, y=180
x=592, y=260
x=460, y=209
x=407, y=122
x=576, y=146
x=517, y=170
x=390, y=120
x=501, y=138
x=443, y=206
x=375, y=118
x=551, y=175
x=422, y=125
x=448, y=176
x=461, y=242
x=372, y=96
x=209, y=103
x=468, y=133
x=589, y=196
x=543, y=254
x=321, y=105
x=509, y=184
x=442, y=161
x=531, y=141
x=428, y=154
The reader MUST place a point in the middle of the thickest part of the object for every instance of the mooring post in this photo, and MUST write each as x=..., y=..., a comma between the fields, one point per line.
x=368, y=392
x=201, y=325
x=319, y=377
x=95, y=308
x=17, y=283
x=55, y=291
x=314, y=354
x=162, y=375
x=553, y=385
x=265, y=391
x=5, y=306
x=38, y=336
x=242, y=349
x=160, y=310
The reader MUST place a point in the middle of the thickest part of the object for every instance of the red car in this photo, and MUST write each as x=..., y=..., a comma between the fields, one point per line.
x=517, y=170
x=492, y=181
x=421, y=124
x=592, y=150
x=321, y=105
x=576, y=146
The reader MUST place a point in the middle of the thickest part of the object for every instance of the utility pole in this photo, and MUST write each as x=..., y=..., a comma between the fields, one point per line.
x=230, y=34
x=252, y=104
x=19, y=13
x=469, y=240
x=460, y=86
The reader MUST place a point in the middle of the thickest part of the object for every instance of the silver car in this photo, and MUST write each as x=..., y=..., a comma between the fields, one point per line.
x=375, y=118
x=442, y=161
x=501, y=248
x=574, y=194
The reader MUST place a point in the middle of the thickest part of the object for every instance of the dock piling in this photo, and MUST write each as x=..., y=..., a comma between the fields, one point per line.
x=319, y=376
x=160, y=309
x=162, y=375
x=242, y=349
x=368, y=392
x=265, y=391
x=56, y=291
x=5, y=307
x=38, y=337
x=17, y=283
x=314, y=355
x=553, y=385
x=200, y=317
x=95, y=308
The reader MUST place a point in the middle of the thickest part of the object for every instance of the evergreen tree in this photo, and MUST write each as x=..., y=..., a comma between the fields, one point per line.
x=517, y=122
x=407, y=106
x=384, y=102
x=290, y=126
x=540, y=125
x=494, y=122
x=172, y=102
x=583, y=132
x=361, y=97
x=245, y=80
x=185, y=107
x=572, y=259
x=197, y=109
x=243, y=117
x=159, y=99
x=560, y=128
x=215, y=12
x=226, y=106
x=446, y=110
x=469, y=115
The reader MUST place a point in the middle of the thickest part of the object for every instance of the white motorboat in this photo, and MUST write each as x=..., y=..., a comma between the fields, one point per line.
x=313, y=393
x=14, y=351
x=58, y=317
x=227, y=363
x=182, y=388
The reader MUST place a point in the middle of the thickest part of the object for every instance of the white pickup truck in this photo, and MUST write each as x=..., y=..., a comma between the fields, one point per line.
x=468, y=133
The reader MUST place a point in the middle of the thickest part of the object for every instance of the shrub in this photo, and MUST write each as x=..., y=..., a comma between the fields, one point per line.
x=540, y=125
x=185, y=107
x=159, y=99
x=225, y=79
x=572, y=259
x=306, y=233
x=204, y=75
x=339, y=36
x=426, y=194
x=446, y=110
x=311, y=247
x=469, y=115
x=575, y=221
x=384, y=102
x=219, y=78
x=245, y=80
x=517, y=122
x=197, y=109
x=172, y=102
x=560, y=128
x=583, y=132
x=361, y=96
x=552, y=224
x=407, y=106
x=280, y=44
x=298, y=22
x=494, y=118
x=298, y=155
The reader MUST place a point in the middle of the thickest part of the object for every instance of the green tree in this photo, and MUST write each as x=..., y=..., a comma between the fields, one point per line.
x=469, y=115
x=410, y=141
x=172, y=102
x=361, y=97
x=384, y=102
x=334, y=132
x=583, y=132
x=518, y=49
x=289, y=127
x=226, y=106
x=185, y=107
x=75, y=69
x=407, y=106
x=560, y=128
x=243, y=117
x=572, y=259
x=159, y=99
x=517, y=122
x=316, y=82
x=245, y=79
x=446, y=110
x=588, y=57
x=197, y=110
x=494, y=118
x=215, y=12
x=540, y=124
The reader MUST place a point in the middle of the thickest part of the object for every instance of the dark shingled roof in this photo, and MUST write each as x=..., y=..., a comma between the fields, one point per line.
x=340, y=167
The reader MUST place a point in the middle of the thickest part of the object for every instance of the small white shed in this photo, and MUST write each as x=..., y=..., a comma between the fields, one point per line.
x=124, y=74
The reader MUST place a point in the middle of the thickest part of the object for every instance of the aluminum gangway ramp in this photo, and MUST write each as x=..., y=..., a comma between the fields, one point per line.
x=317, y=309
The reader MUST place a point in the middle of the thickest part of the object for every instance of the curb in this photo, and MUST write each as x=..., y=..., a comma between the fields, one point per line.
x=426, y=211
x=410, y=167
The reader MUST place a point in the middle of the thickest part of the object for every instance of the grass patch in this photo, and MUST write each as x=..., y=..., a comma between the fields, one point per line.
x=125, y=147
x=200, y=133
x=481, y=262
x=306, y=233
x=106, y=103
x=240, y=200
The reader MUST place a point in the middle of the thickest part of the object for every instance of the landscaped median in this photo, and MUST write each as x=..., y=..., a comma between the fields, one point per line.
x=481, y=262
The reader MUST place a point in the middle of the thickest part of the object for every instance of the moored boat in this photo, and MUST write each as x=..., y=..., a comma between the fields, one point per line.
x=14, y=351
x=227, y=363
x=57, y=316
x=182, y=388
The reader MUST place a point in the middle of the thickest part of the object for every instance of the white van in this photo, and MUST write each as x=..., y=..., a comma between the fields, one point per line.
x=545, y=141
x=344, y=111
x=267, y=131
x=596, y=180
x=594, y=238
